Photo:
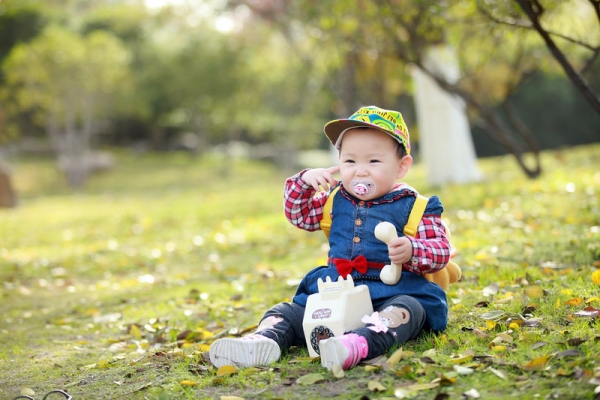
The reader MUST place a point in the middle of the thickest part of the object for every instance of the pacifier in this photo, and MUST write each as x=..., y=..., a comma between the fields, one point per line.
x=363, y=187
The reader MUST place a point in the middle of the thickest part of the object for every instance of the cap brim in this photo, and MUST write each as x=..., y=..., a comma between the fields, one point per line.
x=334, y=129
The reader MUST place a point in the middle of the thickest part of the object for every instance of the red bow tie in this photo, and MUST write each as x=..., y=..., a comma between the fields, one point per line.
x=345, y=267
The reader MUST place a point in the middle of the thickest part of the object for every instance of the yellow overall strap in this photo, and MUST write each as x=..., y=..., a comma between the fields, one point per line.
x=410, y=229
x=326, y=220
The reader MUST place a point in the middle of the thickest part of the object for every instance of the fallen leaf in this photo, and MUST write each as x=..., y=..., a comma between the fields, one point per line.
x=395, y=358
x=446, y=380
x=492, y=315
x=574, y=302
x=498, y=373
x=592, y=300
x=471, y=394
x=537, y=345
x=537, y=364
x=27, y=391
x=310, y=379
x=481, y=334
x=596, y=277
x=568, y=353
x=498, y=349
x=429, y=353
x=401, y=393
x=134, y=332
x=230, y=398
x=589, y=312
x=376, y=386
x=534, y=292
x=461, y=358
x=338, y=371
x=491, y=290
x=575, y=341
x=463, y=370
x=187, y=383
x=226, y=370
x=417, y=387
x=490, y=325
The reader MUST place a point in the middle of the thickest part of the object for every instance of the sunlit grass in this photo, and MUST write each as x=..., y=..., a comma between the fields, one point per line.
x=168, y=243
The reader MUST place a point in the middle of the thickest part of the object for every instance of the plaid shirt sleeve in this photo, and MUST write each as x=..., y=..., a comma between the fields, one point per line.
x=302, y=204
x=431, y=248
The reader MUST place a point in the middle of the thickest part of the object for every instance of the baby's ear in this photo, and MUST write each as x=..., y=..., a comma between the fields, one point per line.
x=405, y=164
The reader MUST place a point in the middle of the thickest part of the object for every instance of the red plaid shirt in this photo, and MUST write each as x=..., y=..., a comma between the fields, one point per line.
x=303, y=207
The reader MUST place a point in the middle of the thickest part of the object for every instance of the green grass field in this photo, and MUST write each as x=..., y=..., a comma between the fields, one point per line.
x=116, y=291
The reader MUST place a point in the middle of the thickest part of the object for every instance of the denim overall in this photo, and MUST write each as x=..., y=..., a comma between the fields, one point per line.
x=352, y=234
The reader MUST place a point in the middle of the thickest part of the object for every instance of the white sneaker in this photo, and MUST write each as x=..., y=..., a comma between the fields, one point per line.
x=249, y=351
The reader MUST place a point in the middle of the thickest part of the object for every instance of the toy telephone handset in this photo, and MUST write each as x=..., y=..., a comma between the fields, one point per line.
x=386, y=232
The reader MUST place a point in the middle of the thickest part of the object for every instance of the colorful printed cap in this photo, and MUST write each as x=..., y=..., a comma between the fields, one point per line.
x=388, y=121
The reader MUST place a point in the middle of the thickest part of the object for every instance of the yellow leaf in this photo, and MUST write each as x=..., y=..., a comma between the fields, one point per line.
x=447, y=380
x=498, y=349
x=375, y=386
x=25, y=391
x=574, y=302
x=135, y=332
x=429, y=353
x=514, y=325
x=407, y=369
x=596, y=277
x=310, y=379
x=490, y=324
x=461, y=359
x=537, y=364
x=338, y=371
x=394, y=358
x=592, y=299
x=226, y=370
x=558, y=303
x=534, y=292
x=422, y=386
x=203, y=347
x=187, y=383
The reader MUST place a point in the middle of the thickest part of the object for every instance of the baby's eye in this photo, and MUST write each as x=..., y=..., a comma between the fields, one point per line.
x=349, y=161
x=374, y=161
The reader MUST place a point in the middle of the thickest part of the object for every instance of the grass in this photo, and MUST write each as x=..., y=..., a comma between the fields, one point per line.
x=118, y=289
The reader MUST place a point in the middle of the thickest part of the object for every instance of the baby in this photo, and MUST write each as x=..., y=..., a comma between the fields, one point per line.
x=374, y=154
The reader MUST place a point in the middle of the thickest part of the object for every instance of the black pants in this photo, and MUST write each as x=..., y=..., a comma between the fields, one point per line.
x=403, y=316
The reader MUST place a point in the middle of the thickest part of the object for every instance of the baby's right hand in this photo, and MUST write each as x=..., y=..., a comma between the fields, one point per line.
x=321, y=177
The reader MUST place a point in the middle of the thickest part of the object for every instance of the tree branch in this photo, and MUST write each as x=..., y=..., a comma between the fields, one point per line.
x=516, y=24
x=533, y=10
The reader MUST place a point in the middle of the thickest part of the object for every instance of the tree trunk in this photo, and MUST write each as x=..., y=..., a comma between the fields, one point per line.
x=8, y=197
x=444, y=134
x=72, y=147
x=495, y=126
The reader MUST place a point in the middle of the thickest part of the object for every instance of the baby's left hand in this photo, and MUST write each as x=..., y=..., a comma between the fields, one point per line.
x=400, y=250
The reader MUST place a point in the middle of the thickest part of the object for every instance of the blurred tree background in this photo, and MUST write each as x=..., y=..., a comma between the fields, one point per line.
x=81, y=75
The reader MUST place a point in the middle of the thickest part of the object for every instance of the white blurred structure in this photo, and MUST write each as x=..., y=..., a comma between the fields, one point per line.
x=445, y=139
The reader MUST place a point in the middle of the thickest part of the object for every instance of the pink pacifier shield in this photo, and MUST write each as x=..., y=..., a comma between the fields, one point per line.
x=363, y=188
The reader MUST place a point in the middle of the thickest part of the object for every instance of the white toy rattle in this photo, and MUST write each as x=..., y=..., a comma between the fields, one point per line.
x=386, y=232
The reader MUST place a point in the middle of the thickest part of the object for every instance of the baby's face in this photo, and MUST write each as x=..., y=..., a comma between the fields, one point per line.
x=369, y=163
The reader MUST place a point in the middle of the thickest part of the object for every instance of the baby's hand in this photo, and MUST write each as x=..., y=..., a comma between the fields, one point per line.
x=321, y=177
x=400, y=250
